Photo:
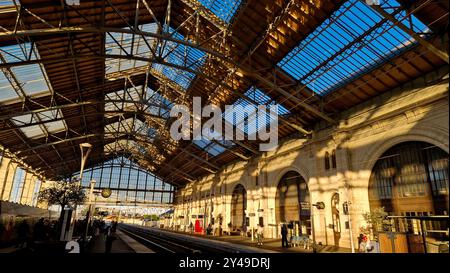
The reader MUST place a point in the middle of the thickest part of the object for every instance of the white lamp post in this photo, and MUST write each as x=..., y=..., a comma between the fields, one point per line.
x=89, y=212
x=85, y=150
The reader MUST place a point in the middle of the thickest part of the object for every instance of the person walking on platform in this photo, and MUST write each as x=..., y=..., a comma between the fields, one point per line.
x=110, y=237
x=259, y=235
x=284, y=233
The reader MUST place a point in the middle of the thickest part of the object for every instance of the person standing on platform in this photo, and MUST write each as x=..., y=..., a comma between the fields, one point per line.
x=259, y=235
x=284, y=234
x=110, y=237
x=22, y=232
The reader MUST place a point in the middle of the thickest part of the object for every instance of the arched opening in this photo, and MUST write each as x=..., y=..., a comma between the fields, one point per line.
x=238, y=208
x=410, y=181
x=293, y=203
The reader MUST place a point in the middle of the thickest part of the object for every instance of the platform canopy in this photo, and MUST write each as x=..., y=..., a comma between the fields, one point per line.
x=108, y=72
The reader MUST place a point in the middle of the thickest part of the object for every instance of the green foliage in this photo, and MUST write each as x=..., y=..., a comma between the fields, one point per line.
x=377, y=218
x=151, y=217
x=63, y=193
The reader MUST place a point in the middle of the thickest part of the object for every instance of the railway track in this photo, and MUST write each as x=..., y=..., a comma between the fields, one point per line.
x=163, y=242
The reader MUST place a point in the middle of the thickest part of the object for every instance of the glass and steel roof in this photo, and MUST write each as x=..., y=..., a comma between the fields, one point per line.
x=354, y=40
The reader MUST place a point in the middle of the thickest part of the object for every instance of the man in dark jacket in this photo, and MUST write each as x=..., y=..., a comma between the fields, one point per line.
x=284, y=233
x=22, y=232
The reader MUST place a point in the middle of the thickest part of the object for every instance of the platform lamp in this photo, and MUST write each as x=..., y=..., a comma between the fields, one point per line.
x=85, y=150
x=89, y=212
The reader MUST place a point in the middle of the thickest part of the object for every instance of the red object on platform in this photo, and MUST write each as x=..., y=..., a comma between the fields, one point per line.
x=199, y=226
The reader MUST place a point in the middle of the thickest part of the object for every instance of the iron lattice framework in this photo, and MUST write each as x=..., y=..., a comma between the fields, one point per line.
x=108, y=72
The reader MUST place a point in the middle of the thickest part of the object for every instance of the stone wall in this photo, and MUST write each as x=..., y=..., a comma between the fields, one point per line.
x=417, y=111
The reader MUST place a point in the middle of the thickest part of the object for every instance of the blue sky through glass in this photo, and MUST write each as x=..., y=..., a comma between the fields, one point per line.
x=129, y=181
x=251, y=124
x=30, y=77
x=324, y=61
x=139, y=47
x=248, y=122
x=224, y=9
x=179, y=55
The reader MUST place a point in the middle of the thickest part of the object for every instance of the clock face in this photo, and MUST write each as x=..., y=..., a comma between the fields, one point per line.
x=106, y=193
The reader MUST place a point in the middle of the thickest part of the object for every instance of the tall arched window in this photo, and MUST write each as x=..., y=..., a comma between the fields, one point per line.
x=327, y=161
x=37, y=187
x=411, y=179
x=238, y=207
x=292, y=202
x=17, y=187
x=333, y=159
x=128, y=182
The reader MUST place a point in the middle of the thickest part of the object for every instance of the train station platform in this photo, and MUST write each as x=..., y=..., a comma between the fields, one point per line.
x=239, y=243
x=268, y=243
x=122, y=244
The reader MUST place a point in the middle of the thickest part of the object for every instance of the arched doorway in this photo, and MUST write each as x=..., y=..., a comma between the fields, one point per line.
x=336, y=218
x=411, y=179
x=293, y=202
x=238, y=207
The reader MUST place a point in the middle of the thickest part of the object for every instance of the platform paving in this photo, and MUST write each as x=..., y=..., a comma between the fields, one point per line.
x=268, y=243
x=133, y=244
x=118, y=245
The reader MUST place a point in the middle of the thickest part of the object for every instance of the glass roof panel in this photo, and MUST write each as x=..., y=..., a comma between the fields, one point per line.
x=224, y=9
x=128, y=181
x=4, y=3
x=139, y=47
x=212, y=147
x=354, y=40
x=179, y=55
x=27, y=78
x=248, y=120
x=48, y=123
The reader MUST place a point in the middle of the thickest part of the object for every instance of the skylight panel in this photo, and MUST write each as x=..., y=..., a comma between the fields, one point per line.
x=248, y=121
x=49, y=123
x=130, y=98
x=24, y=80
x=4, y=3
x=212, y=147
x=139, y=46
x=354, y=40
x=224, y=9
x=156, y=98
x=6, y=91
x=179, y=55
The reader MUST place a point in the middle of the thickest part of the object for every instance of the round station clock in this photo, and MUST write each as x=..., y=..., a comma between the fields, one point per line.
x=106, y=193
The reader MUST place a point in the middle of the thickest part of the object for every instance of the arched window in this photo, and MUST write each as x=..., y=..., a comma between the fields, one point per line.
x=238, y=207
x=37, y=187
x=333, y=159
x=292, y=202
x=327, y=161
x=411, y=179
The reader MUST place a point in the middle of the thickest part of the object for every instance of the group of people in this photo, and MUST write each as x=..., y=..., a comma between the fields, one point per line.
x=364, y=243
x=24, y=232
x=101, y=228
